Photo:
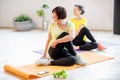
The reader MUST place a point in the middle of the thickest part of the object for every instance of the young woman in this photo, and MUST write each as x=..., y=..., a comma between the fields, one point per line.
x=82, y=31
x=59, y=45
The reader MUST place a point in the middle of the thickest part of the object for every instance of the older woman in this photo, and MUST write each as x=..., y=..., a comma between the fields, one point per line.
x=58, y=45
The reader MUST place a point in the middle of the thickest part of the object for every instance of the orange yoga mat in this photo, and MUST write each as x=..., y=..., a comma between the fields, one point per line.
x=30, y=71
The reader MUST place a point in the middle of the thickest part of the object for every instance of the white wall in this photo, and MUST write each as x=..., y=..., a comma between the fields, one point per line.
x=98, y=12
x=12, y=8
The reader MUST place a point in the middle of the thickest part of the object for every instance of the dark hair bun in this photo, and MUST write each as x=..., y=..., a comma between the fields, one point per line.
x=80, y=7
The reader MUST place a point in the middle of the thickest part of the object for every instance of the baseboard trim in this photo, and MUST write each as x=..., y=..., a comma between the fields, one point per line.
x=37, y=28
x=104, y=30
x=6, y=27
x=40, y=28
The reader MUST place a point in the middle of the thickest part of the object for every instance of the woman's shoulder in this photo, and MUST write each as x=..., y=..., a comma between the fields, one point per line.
x=52, y=23
x=70, y=24
x=84, y=18
x=72, y=18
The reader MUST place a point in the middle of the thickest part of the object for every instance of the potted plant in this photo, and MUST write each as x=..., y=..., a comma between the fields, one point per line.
x=42, y=13
x=22, y=23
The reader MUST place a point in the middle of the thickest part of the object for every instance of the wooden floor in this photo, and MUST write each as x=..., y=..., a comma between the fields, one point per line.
x=17, y=48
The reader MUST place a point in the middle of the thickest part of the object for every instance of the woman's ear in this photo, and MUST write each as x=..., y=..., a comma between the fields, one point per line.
x=80, y=11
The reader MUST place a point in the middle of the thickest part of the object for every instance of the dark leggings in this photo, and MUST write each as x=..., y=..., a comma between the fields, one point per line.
x=78, y=41
x=63, y=54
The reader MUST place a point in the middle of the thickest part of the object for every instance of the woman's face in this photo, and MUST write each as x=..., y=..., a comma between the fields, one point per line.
x=54, y=16
x=76, y=11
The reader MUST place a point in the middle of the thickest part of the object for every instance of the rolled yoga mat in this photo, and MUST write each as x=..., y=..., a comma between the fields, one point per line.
x=30, y=71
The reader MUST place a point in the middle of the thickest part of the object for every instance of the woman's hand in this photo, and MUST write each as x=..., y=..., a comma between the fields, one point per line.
x=53, y=45
x=44, y=56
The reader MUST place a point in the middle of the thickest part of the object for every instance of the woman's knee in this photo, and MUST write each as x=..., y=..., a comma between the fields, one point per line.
x=84, y=29
x=95, y=44
x=72, y=60
x=52, y=53
x=62, y=35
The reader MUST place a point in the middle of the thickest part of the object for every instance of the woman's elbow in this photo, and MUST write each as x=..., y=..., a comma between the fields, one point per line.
x=71, y=38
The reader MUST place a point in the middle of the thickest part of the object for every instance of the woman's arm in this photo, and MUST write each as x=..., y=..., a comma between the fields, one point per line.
x=83, y=24
x=47, y=45
x=77, y=31
x=67, y=38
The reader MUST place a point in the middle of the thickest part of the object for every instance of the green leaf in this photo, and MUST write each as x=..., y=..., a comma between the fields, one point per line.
x=45, y=6
x=40, y=13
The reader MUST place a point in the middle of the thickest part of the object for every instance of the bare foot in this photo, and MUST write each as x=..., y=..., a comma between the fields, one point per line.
x=101, y=47
x=76, y=47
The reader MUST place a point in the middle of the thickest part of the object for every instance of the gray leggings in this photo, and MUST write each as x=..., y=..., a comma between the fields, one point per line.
x=63, y=54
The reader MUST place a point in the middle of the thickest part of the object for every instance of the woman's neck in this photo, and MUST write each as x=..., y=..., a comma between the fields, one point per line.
x=78, y=17
x=60, y=22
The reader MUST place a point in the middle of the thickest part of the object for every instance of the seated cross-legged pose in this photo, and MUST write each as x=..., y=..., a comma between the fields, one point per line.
x=82, y=31
x=59, y=43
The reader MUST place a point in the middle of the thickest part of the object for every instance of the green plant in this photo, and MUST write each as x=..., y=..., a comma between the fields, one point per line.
x=41, y=11
x=22, y=18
